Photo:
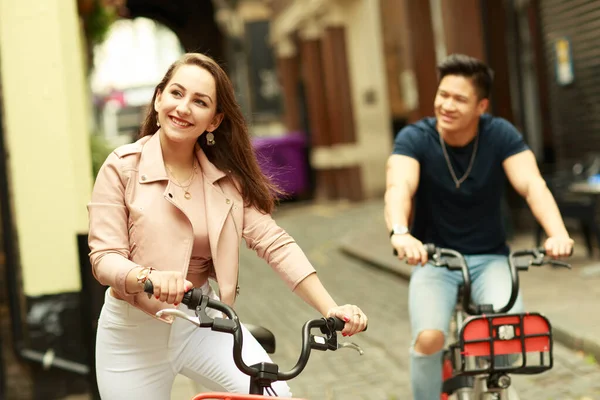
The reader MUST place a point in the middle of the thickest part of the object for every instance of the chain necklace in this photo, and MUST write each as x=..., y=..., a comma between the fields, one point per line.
x=457, y=181
x=186, y=187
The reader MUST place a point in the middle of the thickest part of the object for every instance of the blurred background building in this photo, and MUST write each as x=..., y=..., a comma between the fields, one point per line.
x=325, y=85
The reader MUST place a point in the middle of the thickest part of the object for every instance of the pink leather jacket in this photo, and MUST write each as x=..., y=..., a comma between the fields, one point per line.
x=134, y=221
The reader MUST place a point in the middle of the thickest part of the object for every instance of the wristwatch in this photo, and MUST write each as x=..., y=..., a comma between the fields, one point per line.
x=398, y=229
x=143, y=275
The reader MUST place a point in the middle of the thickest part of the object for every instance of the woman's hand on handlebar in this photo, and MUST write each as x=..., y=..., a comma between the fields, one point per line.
x=356, y=320
x=410, y=248
x=169, y=286
x=559, y=246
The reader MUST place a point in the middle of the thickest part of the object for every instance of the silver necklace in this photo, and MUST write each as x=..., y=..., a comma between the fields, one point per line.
x=457, y=181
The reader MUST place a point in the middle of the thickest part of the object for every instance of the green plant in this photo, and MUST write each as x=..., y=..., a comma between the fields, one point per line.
x=99, y=20
x=100, y=149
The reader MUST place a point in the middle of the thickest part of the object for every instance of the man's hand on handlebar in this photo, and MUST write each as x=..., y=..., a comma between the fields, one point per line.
x=523, y=259
x=356, y=320
x=409, y=247
x=559, y=246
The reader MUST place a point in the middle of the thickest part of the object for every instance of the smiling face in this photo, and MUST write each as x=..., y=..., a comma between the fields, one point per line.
x=187, y=107
x=457, y=105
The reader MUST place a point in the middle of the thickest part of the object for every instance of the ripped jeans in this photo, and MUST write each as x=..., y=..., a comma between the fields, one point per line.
x=432, y=297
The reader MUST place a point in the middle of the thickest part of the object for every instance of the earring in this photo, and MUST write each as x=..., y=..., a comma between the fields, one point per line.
x=210, y=138
x=157, y=123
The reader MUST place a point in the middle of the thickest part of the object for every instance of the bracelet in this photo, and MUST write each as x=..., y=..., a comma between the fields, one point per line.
x=143, y=275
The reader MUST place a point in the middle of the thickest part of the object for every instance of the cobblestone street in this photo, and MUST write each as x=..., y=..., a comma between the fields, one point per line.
x=382, y=373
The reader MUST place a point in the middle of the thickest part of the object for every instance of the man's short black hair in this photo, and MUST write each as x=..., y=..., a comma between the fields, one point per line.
x=469, y=67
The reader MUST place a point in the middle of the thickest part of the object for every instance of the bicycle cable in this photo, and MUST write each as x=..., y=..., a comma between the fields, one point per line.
x=270, y=391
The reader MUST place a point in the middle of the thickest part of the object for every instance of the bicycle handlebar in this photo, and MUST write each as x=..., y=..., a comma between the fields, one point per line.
x=436, y=254
x=194, y=299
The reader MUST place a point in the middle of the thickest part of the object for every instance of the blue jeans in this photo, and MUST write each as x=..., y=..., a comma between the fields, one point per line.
x=432, y=296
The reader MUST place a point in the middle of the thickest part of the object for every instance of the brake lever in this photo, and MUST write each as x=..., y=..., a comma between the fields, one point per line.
x=330, y=340
x=350, y=345
x=332, y=343
x=178, y=313
x=560, y=264
x=538, y=262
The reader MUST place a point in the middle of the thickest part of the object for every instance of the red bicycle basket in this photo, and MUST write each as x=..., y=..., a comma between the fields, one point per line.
x=511, y=343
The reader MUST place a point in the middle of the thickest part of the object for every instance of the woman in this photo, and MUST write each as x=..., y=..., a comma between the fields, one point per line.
x=173, y=208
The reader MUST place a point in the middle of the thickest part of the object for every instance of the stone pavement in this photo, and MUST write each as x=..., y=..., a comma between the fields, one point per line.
x=382, y=372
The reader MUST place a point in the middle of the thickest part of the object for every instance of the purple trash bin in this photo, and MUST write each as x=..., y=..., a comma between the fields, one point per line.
x=283, y=159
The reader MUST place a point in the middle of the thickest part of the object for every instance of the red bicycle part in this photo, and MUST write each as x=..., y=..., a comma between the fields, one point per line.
x=446, y=374
x=231, y=396
x=527, y=338
x=482, y=336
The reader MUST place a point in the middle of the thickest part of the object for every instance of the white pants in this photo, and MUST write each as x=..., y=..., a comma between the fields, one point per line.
x=138, y=357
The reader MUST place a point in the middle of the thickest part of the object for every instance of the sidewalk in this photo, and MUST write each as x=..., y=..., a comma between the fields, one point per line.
x=568, y=298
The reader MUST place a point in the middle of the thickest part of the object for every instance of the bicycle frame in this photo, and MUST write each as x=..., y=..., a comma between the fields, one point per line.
x=263, y=374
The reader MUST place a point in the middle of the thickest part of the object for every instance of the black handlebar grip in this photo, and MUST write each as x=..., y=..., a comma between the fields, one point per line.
x=148, y=287
x=191, y=298
x=430, y=249
x=187, y=297
x=338, y=324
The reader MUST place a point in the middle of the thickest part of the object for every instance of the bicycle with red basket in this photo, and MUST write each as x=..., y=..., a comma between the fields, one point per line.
x=262, y=375
x=487, y=344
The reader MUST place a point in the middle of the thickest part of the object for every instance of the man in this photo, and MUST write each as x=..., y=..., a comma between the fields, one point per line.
x=454, y=166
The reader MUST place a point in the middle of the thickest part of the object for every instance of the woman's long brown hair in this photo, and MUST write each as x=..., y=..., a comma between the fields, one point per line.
x=232, y=152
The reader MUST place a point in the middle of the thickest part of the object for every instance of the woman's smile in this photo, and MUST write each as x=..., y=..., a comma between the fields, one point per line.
x=180, y=122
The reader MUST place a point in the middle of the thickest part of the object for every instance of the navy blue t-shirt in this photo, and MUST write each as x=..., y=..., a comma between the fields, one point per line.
x=468, y=219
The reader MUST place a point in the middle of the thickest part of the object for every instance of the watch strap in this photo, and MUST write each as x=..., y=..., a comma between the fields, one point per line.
x=143, y=275
x=398, y=230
